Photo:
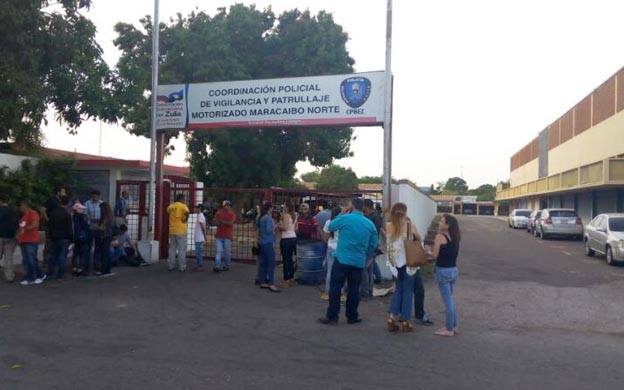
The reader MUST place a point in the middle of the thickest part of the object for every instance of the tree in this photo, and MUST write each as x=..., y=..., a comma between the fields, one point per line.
x=36, y=180
x=455, y=186
x=336, y=177
x=50, y=59
x=434, y=191
x=485, y=192
x=311, y=177
x=241, y=43
x=371, y=180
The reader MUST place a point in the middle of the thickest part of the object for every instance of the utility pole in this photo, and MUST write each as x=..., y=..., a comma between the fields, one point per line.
x=151, y=212
x=387, y=165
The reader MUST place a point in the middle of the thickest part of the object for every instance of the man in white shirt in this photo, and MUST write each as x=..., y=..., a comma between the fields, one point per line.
x=200, y=237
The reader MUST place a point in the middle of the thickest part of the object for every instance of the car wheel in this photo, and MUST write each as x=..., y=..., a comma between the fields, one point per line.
x=610, y=260
x=588, y=250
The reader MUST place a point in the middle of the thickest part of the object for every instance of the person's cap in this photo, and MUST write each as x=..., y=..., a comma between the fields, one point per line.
x=79, y=208
x=200, y=206
x=226, y=203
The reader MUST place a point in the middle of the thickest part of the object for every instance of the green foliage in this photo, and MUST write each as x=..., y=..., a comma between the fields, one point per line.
x=36, y=180
x=241, y=43
x=311, y=177
x=336, y=177
x=50, y=60
x=485, y=192
x=434, y=190
x=455, y=186
x=371, y=180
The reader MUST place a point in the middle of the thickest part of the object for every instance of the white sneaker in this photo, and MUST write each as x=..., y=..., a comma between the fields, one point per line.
x=41, y=279
x=26, y=282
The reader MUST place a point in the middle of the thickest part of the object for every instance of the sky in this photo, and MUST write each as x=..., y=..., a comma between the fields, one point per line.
x=474, y=81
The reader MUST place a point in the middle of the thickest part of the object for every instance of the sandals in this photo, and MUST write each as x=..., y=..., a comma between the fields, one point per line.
x=392, y=324
x=443, y=332
x=406, y=326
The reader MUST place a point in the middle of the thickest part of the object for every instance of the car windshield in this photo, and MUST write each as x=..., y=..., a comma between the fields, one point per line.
x=523, y=213
x=616, y=224
x=563, y=214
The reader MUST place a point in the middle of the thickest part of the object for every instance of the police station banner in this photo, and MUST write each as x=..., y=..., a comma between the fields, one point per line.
x=351, y=100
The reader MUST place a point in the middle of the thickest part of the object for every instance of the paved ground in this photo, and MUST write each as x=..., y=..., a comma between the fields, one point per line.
x=533, y=315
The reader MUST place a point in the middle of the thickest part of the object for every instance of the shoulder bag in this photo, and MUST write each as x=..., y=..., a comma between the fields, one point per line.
x=414, y=252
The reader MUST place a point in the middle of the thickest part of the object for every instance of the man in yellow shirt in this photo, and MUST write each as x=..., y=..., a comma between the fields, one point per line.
x=178, y=226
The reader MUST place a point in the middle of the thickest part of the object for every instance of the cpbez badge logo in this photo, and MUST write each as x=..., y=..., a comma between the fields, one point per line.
x=355, y=91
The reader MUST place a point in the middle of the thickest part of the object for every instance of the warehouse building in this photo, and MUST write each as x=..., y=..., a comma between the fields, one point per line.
x=577, y=161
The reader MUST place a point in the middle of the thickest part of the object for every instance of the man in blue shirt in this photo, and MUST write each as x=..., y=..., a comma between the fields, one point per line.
x=358, y=241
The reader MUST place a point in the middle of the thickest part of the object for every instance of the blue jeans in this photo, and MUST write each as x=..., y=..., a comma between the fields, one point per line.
x=30, y=262
x=401, y=304
x=266, y=264
x=224, y=249
x=58, y=257
x=446, y=278
x=288, y=247
x=353, y=276
x=199, y=254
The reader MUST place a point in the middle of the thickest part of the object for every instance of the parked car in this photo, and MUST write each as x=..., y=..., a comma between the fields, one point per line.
x=518, y=218
x=560, y=222
x=535, y=215
x=605, y=235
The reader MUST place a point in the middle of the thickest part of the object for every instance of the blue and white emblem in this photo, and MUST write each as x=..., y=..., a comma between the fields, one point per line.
x=355, y=91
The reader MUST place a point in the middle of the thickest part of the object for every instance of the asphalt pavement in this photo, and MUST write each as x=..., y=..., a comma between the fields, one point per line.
x=532, y=315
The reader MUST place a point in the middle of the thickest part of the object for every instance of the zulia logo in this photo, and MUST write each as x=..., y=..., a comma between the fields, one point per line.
x=355, y=91
x=172, y=97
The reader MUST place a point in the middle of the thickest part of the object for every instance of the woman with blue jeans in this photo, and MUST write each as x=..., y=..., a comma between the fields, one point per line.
x=445, y=250
x=266, y=251
x=400, y=228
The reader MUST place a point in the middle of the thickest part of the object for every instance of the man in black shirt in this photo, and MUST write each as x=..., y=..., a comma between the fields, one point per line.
x=366, y=289
x=60, y=232
x=9, y=220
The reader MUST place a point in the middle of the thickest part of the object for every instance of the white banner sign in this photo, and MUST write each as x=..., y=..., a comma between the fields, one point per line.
x=350, y=100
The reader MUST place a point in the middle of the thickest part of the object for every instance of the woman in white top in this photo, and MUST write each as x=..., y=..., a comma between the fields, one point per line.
x=288, y=244
x=397, y=230
x=332, y=244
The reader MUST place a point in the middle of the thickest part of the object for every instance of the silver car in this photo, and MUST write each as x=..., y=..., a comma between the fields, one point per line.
x=519, y=218
x=605, y=235
x=559, y=222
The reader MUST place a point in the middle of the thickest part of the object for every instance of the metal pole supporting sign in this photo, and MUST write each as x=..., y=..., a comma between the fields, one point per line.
x=387, y=155
x=151, y=212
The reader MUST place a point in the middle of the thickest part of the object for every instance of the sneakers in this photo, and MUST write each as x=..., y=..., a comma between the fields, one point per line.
x=26, y=282
x=41, y=279
x=325, y=296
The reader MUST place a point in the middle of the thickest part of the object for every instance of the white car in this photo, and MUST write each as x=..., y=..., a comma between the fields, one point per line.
x=605, y=235
x=519, y=218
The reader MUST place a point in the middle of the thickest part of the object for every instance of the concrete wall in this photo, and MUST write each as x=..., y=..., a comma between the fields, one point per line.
x=11, y=161
x=604, y=140
x=420, y=208
x=526, y=173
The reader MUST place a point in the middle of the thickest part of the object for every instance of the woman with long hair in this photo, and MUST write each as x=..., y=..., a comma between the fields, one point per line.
x=445, y=250
x=266, y=252
x=288, y=243
x=398, y=229
x=332, y=243
x=103, y=237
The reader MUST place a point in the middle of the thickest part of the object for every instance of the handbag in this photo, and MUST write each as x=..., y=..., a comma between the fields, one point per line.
x=414, y=252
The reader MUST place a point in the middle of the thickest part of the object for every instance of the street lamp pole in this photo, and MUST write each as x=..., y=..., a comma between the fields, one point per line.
x=387, y=165
x=151, y=212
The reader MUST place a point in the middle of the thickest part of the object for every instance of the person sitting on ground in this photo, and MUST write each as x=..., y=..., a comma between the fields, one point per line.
x=306, y=227
x=123, y=251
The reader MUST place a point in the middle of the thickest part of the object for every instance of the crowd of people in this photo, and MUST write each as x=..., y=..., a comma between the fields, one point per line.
x=96, y=237
x=354, y=236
